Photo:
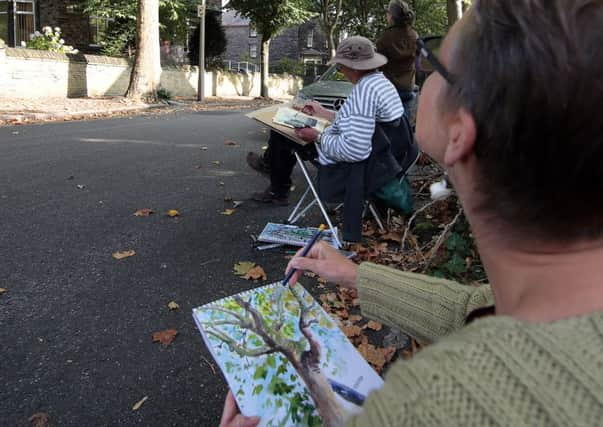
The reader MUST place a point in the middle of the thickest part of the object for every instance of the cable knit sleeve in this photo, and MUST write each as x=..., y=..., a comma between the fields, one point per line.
x=424, y=307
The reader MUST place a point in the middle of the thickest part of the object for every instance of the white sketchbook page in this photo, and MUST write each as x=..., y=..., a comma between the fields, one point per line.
x=296, y=119
x=294, y=235
x=271, y=388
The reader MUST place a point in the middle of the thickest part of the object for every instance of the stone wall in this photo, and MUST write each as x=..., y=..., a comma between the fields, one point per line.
x=28, y=73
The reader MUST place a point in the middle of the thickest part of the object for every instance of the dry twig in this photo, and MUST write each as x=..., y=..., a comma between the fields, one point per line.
x=442, y=238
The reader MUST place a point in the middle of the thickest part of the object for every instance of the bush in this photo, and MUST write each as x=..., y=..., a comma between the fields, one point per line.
x=48, y=40
x=289, y=66
x=164, y=94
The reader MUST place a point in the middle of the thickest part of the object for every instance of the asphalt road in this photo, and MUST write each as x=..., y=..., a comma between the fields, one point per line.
x=76, y=324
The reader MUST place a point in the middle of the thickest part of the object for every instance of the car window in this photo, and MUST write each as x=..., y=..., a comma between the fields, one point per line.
x=333, y=75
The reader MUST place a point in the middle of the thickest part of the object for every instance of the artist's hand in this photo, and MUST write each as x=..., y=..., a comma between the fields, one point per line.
x=231, y=417
x=311, y=108
x=307, y=134
x=325, y=261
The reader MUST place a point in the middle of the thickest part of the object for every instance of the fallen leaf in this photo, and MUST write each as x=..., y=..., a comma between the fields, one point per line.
x=375, y=326
x=165, y=337
x=392, y=236
x=173, y=305
x=143, y=212
x=204, y=148
x=228, y=212
x=138, y=404
x=228, y=199
x=256, y=273
x=352, y=331
x=241, y=268
x=231, y=143
x=173, y=213
x=377, y=357
x=217, y=162
x=39, y=419
x=80, y=186
x=236, y=203
x=124, y=254
x=309, y=274
x=3, y=290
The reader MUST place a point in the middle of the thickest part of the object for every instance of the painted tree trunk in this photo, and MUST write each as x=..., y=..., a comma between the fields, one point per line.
x=146, y=73
x=265, y=54
x=455, y=11
x=320, y=390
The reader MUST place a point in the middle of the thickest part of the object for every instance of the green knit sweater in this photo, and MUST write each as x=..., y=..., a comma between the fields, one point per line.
x=495, y=371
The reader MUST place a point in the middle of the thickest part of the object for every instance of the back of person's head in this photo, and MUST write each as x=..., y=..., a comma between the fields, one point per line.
x=531, y=74
x=401, y=12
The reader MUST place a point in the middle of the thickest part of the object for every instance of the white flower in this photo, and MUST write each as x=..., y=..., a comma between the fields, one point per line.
x=23, y=44
x=57, y=29
x=31, y=36
x=61, y=41
x=75, y=51
x=37, y=34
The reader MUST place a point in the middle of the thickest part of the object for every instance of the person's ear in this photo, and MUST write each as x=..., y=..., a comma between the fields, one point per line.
x=461, y=137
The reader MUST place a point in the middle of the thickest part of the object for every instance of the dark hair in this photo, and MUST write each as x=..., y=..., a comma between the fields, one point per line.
x=531, y=74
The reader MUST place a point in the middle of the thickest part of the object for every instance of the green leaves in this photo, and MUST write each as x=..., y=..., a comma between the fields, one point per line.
x=271, y=16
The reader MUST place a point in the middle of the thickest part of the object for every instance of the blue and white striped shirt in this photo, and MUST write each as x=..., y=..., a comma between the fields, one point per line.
x=349, y=139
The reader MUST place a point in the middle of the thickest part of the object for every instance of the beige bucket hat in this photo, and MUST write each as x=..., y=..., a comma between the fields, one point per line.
x=358, y=53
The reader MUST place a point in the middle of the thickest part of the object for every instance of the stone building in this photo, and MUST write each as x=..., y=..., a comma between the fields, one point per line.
x=305, y=43
x=20, y=18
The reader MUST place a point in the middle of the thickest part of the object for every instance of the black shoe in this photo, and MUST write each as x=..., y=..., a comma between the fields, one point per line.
x=257, y=163
x=269, y=196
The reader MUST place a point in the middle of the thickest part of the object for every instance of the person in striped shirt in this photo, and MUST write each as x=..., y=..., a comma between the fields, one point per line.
x=349, y=138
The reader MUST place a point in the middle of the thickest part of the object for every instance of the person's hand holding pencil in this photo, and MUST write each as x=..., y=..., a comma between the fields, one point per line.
x=325, y=261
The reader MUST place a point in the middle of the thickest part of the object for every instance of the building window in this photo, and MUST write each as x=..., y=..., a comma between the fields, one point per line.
x=4, y=20
x=253, y=32
x=253, y=50
x=310, y=39
x=98, y=30
x=25, y=20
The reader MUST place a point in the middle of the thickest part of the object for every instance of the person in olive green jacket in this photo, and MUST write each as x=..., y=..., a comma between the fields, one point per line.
x=398, y=43
x=514, y=114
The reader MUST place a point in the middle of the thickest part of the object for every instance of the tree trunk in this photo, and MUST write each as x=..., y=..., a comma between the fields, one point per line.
x=324, y=398
x=331, y=41
x=455, y=11
x=265, y=54
x=146, y=73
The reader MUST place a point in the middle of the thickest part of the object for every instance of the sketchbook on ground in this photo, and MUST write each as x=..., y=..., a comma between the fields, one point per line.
x=284, y=358
x=293, y=235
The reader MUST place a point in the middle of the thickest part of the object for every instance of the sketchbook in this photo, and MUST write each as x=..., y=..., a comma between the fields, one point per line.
x=294, y=235
x=296, y=119
x=267, y=115
x=284, y=358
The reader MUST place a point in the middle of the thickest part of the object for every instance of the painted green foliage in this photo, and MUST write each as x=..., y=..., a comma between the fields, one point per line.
x=259, y=335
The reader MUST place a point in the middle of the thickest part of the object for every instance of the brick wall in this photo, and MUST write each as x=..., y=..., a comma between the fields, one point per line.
x=61, y=75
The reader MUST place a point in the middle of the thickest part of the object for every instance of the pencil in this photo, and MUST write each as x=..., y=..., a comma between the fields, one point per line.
x=307, y=248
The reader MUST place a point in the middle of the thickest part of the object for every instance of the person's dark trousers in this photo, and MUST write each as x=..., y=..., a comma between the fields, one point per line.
x=281, y=160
